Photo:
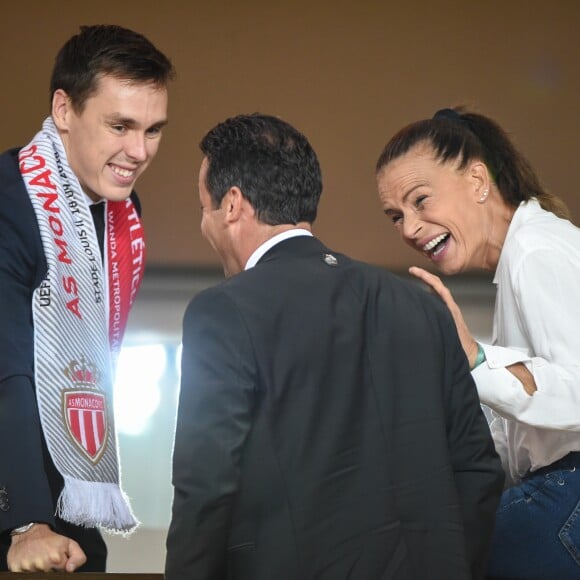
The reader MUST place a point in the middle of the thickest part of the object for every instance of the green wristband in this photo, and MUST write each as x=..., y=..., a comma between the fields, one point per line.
x=480, y=356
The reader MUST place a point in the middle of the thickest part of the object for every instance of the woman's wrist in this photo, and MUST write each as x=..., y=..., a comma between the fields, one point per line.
x=479, y=357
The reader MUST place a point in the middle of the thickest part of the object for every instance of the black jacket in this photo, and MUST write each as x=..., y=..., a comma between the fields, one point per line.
x=328, y=428
x=29, y=482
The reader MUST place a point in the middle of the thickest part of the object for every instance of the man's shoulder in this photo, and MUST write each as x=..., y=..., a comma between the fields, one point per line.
x=14, y=202
x=403, y=297
x=215, y=294
x=9, y=172
x=19, y=236
x=361, y=276
x=388, y=280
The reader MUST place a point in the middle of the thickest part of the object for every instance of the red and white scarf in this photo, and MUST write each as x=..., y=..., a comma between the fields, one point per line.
x=80, y=311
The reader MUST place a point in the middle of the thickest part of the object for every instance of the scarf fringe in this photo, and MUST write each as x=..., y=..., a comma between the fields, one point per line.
x=79, y=501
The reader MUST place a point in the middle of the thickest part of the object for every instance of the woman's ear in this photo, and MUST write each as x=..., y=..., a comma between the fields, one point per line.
x=480, y=179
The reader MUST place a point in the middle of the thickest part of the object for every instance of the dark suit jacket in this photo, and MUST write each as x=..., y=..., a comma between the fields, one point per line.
x=328, y=428
x=29, y=482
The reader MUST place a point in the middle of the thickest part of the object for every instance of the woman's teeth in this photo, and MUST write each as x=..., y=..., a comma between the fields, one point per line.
x=429, y=246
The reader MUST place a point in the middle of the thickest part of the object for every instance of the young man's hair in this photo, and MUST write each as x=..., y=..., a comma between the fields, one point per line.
x=101, y=50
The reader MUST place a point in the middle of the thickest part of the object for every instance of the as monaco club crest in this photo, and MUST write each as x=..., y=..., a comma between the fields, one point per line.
x=85, y=409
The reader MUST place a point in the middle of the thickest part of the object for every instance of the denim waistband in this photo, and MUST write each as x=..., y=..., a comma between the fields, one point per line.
x=570, y=461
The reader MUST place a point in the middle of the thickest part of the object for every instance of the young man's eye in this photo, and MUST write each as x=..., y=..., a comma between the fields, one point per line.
x=154, y=132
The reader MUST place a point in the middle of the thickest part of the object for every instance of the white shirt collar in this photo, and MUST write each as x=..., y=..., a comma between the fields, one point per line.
x=523, y=212
x=91, y=201
x=263, y=248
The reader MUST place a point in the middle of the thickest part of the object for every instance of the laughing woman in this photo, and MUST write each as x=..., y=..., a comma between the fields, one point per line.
x=459, y=193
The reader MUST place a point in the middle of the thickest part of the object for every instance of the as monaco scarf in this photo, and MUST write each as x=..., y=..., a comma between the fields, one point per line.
x=80, y=311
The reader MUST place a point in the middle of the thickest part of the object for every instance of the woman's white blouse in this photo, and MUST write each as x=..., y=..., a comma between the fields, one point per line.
x=537, y=317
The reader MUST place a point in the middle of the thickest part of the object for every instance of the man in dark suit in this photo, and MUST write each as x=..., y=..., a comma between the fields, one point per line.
x=109, y=103
x=328, y=426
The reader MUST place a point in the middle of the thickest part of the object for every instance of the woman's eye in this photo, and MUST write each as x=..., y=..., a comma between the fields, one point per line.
x=419, y=201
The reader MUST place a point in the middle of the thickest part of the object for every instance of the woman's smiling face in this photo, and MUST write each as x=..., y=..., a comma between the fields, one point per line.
x=434, y=206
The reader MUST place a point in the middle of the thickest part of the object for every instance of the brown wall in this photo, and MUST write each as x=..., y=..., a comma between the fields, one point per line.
x=348, y=74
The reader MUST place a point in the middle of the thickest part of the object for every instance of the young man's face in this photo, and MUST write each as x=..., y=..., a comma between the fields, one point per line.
x=111, y=142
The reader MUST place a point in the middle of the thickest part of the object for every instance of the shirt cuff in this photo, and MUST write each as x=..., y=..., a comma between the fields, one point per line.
x=501, y=357
x=496, y=386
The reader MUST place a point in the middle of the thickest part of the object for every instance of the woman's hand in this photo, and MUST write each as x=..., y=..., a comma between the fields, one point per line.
x=467, y=341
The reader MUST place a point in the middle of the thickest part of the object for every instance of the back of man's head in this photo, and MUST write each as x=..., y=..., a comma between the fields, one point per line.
x=271, y=162
x=105, y=49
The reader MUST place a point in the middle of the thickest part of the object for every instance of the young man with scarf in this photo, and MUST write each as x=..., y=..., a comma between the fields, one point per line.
x=71, y=261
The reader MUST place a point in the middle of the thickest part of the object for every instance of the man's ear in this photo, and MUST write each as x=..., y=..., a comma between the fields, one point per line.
x=233, y=204
x=61, y=109
x=480, y=179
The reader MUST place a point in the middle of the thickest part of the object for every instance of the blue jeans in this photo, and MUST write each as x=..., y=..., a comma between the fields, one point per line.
x=537, y=528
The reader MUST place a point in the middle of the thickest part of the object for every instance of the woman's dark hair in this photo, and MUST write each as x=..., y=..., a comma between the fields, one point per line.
x=105, y=49
x=456, y=134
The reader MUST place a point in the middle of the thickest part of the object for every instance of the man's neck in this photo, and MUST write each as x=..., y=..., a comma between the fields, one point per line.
x=272, y=236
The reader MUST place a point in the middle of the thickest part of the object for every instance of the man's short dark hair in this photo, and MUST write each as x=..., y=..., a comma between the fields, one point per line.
x=270, y=161
x=105, y=49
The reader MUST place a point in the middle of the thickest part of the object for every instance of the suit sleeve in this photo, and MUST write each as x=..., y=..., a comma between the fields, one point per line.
x=477, y=467
x=214, y=418
x=24, y=488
